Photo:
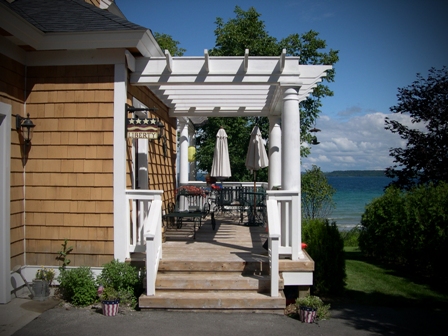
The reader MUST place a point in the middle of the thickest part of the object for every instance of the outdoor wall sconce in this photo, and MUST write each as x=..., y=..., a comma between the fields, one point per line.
x=25, y=128
x=314, y=138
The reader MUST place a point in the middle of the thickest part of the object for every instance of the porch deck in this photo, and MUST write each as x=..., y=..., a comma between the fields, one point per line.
x=222, y=269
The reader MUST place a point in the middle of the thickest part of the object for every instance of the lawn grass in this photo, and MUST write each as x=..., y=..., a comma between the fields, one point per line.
x=374, y=284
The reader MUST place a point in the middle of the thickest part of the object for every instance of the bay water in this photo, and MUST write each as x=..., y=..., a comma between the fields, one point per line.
x=353, y=193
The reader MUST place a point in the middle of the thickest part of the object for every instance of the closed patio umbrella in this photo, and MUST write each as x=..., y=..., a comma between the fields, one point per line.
x=221, y=163
x=256, y=159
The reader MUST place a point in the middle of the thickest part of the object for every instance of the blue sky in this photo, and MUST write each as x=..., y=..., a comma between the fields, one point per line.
x=382, y=45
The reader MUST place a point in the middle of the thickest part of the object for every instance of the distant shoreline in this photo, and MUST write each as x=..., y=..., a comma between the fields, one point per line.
x=356, y=173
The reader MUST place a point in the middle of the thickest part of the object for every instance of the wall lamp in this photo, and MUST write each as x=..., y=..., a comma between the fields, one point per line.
x=143, y=128
x=25, y=127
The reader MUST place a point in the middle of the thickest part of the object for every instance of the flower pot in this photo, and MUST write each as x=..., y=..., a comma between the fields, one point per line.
x=307, y=314
x=110, y=308
x=41, y=290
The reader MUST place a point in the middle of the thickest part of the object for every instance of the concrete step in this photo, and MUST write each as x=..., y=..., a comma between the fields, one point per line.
x=213, y=300
x=214, y=281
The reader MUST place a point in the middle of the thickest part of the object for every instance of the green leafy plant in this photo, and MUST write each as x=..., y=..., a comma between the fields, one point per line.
x=317, y=194
x=408, y=229
x=123, y=278
x=62, y=255
x=314, y=302
x=326, y=247
x=78, y=286
x=109, y=294
x=47, y=274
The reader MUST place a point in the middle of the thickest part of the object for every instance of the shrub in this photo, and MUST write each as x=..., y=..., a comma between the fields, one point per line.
x=78, y=286
x=409, y=228
x=351, y=237
x=122, y=277
x=326, y=247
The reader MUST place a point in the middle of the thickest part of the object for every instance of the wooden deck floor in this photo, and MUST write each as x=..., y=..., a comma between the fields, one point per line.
x=229, y=242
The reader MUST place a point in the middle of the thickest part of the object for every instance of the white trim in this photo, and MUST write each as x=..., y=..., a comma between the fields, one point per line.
x=5, y=202
x=120, y=238
x=74, y=57
x=298, y=278
x=26, y=34
x=9, y=49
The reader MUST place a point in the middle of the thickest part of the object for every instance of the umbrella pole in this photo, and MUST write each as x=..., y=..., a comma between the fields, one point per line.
x=255, y=197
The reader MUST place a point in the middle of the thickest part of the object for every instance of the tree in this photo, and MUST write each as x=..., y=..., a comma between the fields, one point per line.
x=247, y=31
x=166, y=42
x=425, y=157
x=317, y=194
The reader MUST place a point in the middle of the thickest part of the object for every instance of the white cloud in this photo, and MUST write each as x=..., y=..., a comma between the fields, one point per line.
x=358, y=143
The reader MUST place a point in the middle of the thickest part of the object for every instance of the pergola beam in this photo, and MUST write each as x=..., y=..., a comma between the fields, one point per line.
x=218, y=86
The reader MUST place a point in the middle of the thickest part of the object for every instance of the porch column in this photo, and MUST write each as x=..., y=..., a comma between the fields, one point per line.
x=275, y=152
x=291, y=165
x=192, y=142
x=183, y=152
x=291, y=140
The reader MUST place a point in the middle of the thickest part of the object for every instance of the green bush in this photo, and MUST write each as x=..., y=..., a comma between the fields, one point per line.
x=124, y=278
x=409, y=228
x=326, y=247
x=351, y=237
x=78, y=286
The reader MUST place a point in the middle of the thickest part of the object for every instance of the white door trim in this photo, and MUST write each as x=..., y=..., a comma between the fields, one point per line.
x=5, y=203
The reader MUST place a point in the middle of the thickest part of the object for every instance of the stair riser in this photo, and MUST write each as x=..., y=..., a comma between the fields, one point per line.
x=175, y=284
x=212, y=303
x=216, y=266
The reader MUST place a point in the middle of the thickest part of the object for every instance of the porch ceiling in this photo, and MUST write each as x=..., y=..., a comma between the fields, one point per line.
x=209, y=86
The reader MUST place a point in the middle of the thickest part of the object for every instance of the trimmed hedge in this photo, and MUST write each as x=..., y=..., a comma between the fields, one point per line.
x=326, y=247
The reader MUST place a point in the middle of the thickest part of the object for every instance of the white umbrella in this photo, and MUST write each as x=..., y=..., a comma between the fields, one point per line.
x=221, y=162
x=257, y=157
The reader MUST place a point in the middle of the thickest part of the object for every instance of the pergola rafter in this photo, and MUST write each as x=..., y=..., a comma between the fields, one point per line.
x=225, y=86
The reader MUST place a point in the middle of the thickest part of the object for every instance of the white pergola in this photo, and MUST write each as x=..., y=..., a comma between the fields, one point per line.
x=199, y=87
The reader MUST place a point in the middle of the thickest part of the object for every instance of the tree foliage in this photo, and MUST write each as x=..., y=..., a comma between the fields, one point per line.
x=236, y=129
x=317, y=194
x=326, y=247
x=248, y=31
x=425, y=157
x=408, y=228
x=166, y=42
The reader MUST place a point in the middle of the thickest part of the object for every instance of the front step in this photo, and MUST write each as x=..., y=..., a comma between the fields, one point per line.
x=224, y=281
x=214, y=300
x=214, y=285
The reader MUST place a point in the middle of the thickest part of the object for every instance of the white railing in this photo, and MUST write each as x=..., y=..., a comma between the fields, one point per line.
x=274, y=237
x=144, y=229
x=288, y=204
x=153, y=236
x=138, y=206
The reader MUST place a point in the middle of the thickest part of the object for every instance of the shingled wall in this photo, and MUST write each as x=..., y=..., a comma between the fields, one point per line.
x=65, y=189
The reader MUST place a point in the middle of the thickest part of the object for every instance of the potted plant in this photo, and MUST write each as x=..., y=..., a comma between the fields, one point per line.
x=110, y=300
x=42, y=282
x=311, y=308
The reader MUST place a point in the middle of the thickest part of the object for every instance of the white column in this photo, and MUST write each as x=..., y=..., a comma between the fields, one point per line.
x=290, y=140
x=275, y=152
x=120, y=232
x=183, y=152
x=192, y=142
x=5, y=202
